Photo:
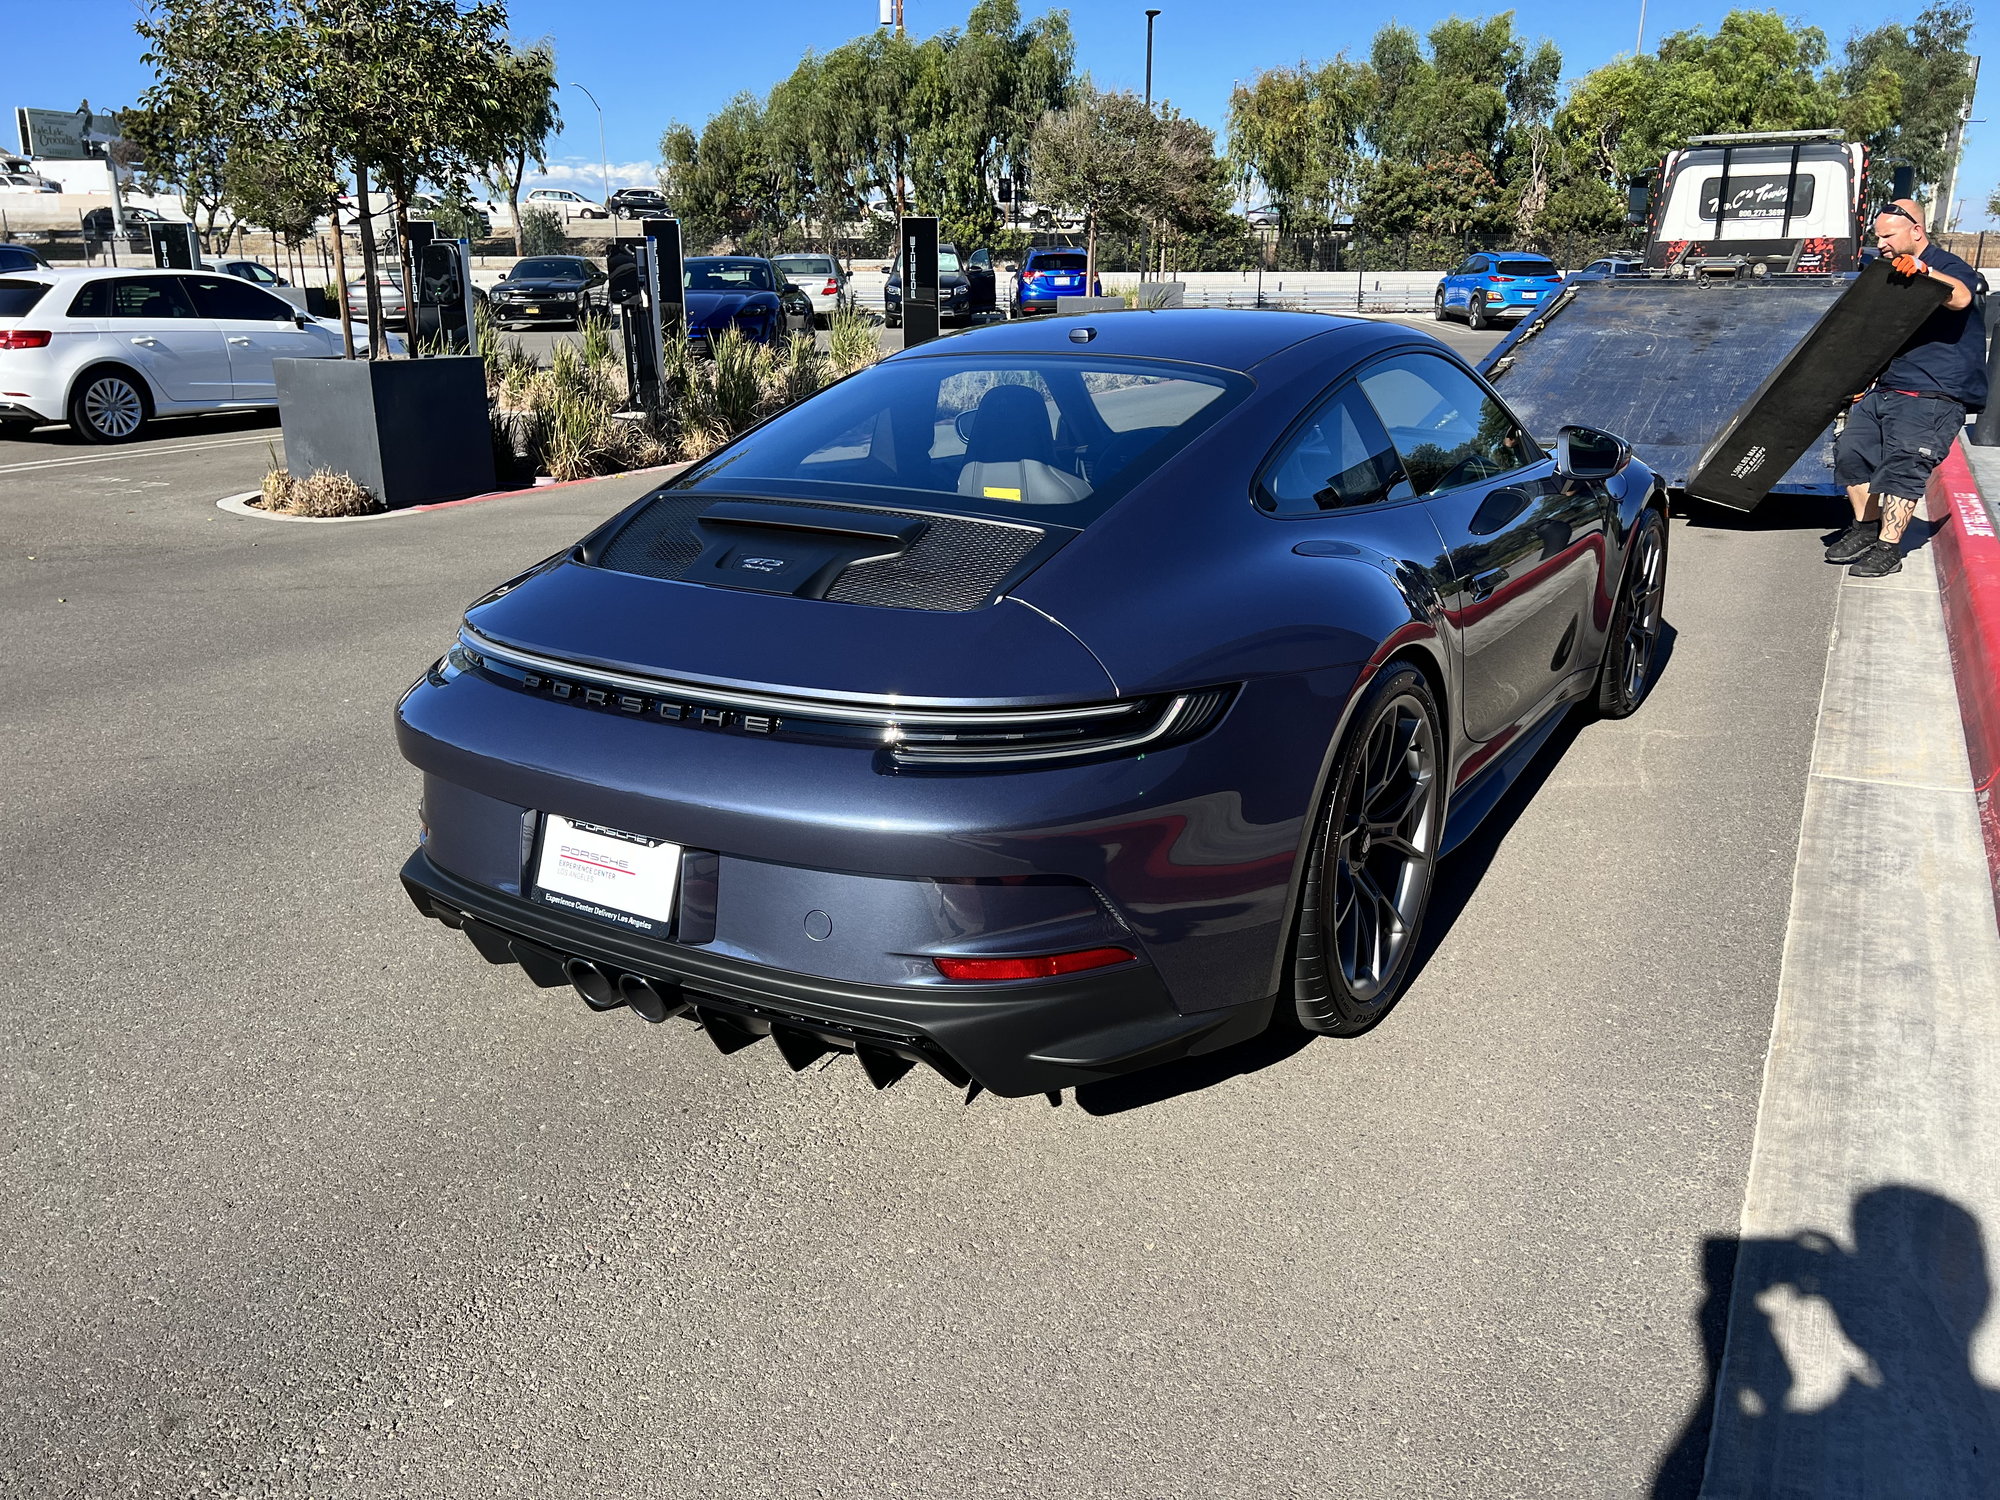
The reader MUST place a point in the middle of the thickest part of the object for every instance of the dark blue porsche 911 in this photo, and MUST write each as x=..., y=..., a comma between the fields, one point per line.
x=741, y=293
x=1041, y=704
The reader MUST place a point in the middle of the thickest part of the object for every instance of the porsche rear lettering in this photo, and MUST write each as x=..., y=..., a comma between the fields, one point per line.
x=670, y=709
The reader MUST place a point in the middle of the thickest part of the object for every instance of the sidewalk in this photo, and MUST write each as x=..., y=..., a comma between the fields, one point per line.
x=1860, y=1358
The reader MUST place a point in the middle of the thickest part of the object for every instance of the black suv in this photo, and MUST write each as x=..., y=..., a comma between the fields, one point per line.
x=636, y=203
x=965, y=288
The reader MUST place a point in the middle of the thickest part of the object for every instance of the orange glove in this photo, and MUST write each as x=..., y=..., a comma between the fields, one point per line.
x=1907, y=265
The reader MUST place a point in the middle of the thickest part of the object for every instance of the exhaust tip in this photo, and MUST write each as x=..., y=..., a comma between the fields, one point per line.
x=653, y=999
x=599, y=990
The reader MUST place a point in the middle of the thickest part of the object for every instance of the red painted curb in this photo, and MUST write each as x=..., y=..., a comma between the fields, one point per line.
x=538, y=489
x=1968, y=569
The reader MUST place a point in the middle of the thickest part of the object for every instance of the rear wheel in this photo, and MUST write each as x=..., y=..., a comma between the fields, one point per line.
x=1477, y=317
x=1437, y=307
x=107, y=406
x=1632, y=649
x=1368, y=876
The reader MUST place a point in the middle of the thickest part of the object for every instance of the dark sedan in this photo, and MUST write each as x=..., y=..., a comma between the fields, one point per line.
x=545, y=289
x=965, y=287
x=636, y=203
x=743, y=294
x=1040, y=704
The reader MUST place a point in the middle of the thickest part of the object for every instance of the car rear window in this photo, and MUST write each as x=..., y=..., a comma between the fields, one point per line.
x=1526, y=268
x=1064, y=261
x=1027, y=437
x=17, y=297
x=805, y=265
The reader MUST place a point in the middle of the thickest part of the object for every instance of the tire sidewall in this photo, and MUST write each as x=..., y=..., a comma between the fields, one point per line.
x=1611, y=699
x=80, y=422
x=1322, y=1001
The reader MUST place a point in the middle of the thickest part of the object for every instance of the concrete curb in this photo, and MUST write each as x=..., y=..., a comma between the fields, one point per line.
x=1968, y=568
x=240, y=505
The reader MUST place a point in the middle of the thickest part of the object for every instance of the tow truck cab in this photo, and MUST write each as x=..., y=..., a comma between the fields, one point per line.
x=1758, y=204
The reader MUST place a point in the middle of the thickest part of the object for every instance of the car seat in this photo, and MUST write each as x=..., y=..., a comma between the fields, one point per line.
x=1010, y=453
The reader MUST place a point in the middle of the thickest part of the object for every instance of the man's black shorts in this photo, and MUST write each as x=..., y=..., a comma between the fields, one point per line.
x=1892, y=442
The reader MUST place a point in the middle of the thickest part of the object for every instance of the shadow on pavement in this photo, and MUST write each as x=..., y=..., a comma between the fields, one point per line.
x=1850, y=1372
x=157, y=429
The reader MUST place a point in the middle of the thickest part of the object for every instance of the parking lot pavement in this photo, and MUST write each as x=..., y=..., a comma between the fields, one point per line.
x=304, y=1196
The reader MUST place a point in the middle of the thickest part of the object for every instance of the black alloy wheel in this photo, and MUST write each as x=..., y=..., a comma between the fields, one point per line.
x=1477, y=318
x=1632, y=648
x=107, y=407
x=1374, y=854
x=1437, y=308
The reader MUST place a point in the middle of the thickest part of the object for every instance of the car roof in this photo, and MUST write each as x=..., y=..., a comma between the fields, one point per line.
x=725, y=259
x=1229, y=339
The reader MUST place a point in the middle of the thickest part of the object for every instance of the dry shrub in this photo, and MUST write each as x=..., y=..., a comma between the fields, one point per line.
x=320, y=493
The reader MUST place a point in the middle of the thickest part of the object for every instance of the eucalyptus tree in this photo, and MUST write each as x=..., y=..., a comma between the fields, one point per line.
x=1905, y=91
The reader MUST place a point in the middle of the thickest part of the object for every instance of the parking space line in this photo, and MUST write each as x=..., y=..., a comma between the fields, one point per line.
x=147, y=452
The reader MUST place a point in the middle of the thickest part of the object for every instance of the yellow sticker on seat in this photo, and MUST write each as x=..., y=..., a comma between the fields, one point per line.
x=996, y=492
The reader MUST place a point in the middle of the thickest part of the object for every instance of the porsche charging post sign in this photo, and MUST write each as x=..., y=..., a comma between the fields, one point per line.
x=665, y=237
x=920, y=280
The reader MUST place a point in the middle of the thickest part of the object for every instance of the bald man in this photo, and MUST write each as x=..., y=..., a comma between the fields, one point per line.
x=1903, y=427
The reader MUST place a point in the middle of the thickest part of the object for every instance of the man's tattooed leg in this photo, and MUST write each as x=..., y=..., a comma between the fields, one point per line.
x=1896, y=514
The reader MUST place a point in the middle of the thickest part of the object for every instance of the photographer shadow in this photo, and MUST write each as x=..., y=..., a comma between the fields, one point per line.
x=1837, y=1372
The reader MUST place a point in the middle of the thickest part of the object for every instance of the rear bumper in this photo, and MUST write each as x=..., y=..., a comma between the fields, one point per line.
x=1012, y=1039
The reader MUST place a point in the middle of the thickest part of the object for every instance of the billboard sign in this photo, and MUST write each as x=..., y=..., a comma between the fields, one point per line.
x=66, y=134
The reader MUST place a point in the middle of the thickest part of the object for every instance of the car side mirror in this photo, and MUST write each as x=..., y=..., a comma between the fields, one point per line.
x=1585, y=453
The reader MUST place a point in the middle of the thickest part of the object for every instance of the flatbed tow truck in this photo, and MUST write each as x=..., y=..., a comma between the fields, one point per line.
x=1750, y=240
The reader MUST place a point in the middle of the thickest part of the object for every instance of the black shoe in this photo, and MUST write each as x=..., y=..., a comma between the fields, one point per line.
x=1879, y=561
x=1854, y=541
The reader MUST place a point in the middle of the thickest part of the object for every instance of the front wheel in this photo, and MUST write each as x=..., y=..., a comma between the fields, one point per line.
x=1374, y=852
x=1632, y=649
x=107, y=407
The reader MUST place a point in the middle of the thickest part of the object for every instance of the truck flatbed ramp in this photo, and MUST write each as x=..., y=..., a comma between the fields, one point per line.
x=1664, y=364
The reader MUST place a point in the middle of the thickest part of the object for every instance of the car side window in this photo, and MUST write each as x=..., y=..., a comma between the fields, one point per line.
x=237, y=300
x=1446, y=428
x=1339, y=457
x=153, y=298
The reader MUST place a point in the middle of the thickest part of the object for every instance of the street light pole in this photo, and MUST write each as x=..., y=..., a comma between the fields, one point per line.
x=603, y=160
x=1149, y=57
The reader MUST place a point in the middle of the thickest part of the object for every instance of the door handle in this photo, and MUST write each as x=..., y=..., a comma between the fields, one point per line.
x=1486, y=583
x=146, y=341
x=237, y=338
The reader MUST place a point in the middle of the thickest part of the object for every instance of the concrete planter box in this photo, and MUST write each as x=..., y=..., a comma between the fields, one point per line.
x=413, y=431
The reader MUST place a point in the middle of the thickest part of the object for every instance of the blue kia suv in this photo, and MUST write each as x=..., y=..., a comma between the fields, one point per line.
x=1048, y=274
x=1492, y=284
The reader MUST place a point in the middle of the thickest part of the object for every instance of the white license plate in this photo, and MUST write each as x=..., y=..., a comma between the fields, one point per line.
x=1065, y=281
x=1529, y=296
x=625, y=879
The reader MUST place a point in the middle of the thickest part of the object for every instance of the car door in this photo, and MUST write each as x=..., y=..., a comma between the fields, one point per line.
x=1522, y=549
x=156, y=325
x=256, y=329
x=979, y=282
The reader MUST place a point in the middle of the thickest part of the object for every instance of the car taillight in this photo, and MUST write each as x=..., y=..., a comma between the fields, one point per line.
x=1046, y=967
x=23, y=338
x=832, y=289
x=1497, y=279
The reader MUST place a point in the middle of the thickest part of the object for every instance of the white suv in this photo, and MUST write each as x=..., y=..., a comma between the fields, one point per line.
x=105, y=350
x=569, y=204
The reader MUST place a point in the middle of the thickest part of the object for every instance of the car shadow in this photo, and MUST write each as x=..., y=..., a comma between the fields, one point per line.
x=1458, y=876
x=158, y=429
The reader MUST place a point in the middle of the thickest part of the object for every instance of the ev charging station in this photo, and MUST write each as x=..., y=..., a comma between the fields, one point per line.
x=444, y=282
x=652, y=308
x=175, y=248
x=920, y=279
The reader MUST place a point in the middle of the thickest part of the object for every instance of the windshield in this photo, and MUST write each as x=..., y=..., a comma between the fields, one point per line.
x=1526, y=268
x=727, y=276
x=1057, y=437
x=805, y=265
x=547, y=268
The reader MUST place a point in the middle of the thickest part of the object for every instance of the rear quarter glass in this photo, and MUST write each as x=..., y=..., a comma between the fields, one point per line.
x=18, y=298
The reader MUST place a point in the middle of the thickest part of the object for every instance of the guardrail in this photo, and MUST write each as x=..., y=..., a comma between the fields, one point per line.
x=1327, y=300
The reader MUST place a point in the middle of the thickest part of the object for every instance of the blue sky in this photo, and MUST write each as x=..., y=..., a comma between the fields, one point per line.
x=652, y=61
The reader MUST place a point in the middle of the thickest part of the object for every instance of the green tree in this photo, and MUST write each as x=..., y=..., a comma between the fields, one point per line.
x=1905, y=89
x=1102, y=157
x=516, y=119
x=208, y=59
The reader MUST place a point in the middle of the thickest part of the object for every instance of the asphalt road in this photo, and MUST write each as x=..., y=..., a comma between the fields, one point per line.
x=305, y=1199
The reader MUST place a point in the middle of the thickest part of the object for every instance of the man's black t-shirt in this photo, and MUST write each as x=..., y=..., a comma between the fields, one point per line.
x=1947, y=356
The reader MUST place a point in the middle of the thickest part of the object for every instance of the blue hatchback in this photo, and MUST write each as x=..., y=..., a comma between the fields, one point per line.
x=1048, y=274
x=1493, y=284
